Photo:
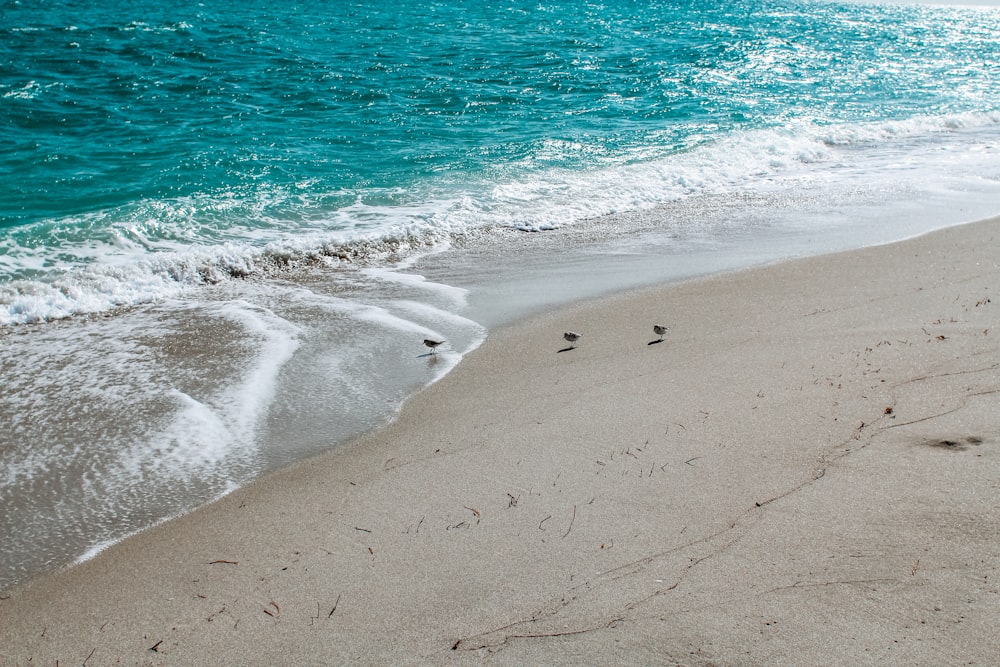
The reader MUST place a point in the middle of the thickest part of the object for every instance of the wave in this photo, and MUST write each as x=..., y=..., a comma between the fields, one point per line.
x=161, y=249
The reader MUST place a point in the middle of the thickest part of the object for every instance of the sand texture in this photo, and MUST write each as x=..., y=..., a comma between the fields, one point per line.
x=805, y=471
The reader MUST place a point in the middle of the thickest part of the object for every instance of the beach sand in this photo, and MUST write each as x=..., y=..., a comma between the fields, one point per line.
x=805, y=471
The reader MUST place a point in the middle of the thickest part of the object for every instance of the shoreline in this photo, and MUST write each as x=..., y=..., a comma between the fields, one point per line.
x=85, y=478
x=803, y=471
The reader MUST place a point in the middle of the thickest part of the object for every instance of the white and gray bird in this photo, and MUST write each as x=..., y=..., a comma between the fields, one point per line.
x=572, y=337
x=431, y=343
x=660, y=330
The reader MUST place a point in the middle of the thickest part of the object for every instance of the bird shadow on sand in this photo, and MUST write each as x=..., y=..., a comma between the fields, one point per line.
x=432, y=356
x=656, y=342
x=566, y=349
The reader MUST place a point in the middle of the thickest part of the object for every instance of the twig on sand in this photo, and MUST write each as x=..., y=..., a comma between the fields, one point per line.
x=89, y=656
x=923, y=419
x=335, y=604
x=227, y=562
x=543, y=521
x=531, y=635
x=155, y=648
x=821, y=584
x=571, y=521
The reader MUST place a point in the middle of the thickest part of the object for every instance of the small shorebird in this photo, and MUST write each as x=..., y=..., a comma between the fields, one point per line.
x=660, y=330
x=431, y=343
x=572, y=337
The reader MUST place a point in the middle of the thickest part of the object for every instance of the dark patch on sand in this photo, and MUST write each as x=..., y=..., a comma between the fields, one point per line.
x=955, y=445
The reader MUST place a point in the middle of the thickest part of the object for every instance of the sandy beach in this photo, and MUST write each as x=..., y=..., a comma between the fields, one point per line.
x=804, y=471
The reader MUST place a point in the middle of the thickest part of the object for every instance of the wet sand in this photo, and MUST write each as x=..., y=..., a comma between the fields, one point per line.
x=804, y=471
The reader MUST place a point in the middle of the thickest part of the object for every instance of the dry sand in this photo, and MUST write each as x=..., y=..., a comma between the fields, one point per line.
x=806, y=471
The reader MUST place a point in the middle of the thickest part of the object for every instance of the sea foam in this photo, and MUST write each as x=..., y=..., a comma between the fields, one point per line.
x=90, y=276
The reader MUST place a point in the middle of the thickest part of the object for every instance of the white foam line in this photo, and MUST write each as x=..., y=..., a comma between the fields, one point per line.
x=379, y=315
x=434, y=313
x=458, y=295
x=408, y=262
x=452, y=358
x=95, y=549
x=281, y=342
x=198, y=435
x=362, y=311
x=207, y=430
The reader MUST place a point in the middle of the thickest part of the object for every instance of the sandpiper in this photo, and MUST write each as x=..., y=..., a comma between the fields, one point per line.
x=660, y=330
x=431, y=343
x=572, y=337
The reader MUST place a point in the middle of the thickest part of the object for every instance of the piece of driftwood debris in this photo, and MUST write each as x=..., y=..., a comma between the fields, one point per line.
x=571, y=521
x=336, y=603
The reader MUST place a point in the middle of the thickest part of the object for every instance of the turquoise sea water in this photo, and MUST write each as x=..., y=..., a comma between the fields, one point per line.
x=212, y=214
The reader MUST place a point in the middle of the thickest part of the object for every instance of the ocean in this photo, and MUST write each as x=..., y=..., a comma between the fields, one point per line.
x=225, y=228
